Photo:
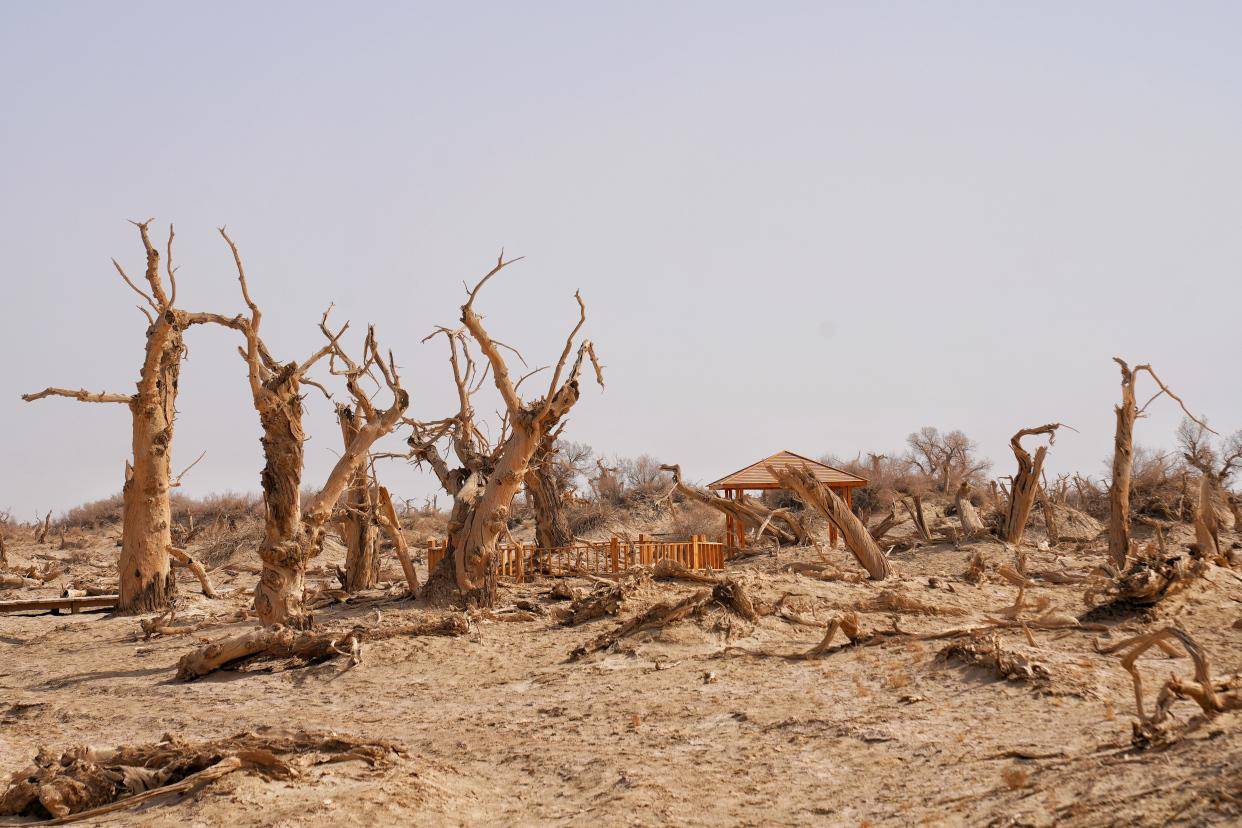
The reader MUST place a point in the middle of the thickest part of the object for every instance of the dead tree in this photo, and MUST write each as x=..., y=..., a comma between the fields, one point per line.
x=483, y=496
x=1049, y=510
x=45, y=525
x=749, y=513
x=146, y=582
x=292, y=536
x=547, y=497
x=1026, y=481
x=972, y=524
x=802, y=482
x=1123, y=457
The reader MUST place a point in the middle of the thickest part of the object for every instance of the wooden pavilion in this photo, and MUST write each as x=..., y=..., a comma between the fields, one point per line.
x=757, y=477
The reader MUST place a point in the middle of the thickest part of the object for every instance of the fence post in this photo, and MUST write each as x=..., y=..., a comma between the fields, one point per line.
x=694, y=551
x=614, y=553
x=521, y=563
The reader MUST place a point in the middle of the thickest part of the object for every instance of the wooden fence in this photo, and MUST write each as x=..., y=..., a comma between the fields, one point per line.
x=610, y=557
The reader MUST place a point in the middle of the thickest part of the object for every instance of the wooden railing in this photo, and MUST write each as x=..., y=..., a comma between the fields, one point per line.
x=610, y=557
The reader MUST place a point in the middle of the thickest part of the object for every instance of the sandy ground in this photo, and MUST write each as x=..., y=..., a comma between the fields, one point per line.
x=501, y=728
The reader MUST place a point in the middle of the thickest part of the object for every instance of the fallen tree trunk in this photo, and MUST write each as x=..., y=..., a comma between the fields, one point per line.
x=857, y=540
x=306, y=647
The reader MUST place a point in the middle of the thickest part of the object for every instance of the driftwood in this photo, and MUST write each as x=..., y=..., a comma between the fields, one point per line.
x=885, y=525
x=88, y=782
x=306, y=647
x=800, y=481
x=891, y=601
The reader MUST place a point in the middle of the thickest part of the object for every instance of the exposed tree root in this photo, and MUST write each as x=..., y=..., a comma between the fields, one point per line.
x=87, y=782
x=269, y=643
x=986, y=650
x=729, y=594
x=1213, y=695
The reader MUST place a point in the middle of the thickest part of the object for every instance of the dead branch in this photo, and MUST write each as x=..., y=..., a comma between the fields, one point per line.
x=183, y=558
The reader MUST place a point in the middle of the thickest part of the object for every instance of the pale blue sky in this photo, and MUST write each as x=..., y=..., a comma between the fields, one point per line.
x=808, y=226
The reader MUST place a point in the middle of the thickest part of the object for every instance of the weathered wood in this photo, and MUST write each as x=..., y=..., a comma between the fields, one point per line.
x=73, y=604
x=1026, y=481
x=860, y=543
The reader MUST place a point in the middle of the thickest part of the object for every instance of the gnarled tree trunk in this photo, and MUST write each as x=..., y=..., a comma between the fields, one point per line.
x=551, y=524
x=484, y=489
x=359, y=523
x=1026, y=481
x=1123, y=464
x=292, y=536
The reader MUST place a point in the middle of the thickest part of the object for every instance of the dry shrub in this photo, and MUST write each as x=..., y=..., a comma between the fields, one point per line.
x=94, y=514
x=230, y=541
x=695, y=518
x=1016, y=778
x=592, y=516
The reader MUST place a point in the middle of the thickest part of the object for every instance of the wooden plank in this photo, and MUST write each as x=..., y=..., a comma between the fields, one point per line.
x=71, y=604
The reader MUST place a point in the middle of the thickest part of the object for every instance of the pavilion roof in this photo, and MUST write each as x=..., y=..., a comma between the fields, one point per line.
x=757, y=476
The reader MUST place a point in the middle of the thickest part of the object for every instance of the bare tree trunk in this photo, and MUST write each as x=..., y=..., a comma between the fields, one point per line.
x=551, y=524
x=359, y=524
x=972, y=524
x=801, y=482
x=1123, y=464
x=1026, y=481
x=284, y=551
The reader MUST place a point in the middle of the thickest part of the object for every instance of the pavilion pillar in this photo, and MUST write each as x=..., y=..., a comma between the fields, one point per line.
x=832, y=530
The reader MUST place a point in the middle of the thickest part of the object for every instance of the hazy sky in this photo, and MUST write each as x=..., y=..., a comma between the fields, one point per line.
x=808, y=226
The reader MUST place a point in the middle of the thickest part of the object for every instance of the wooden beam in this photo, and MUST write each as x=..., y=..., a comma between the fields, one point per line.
x=71, y=604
